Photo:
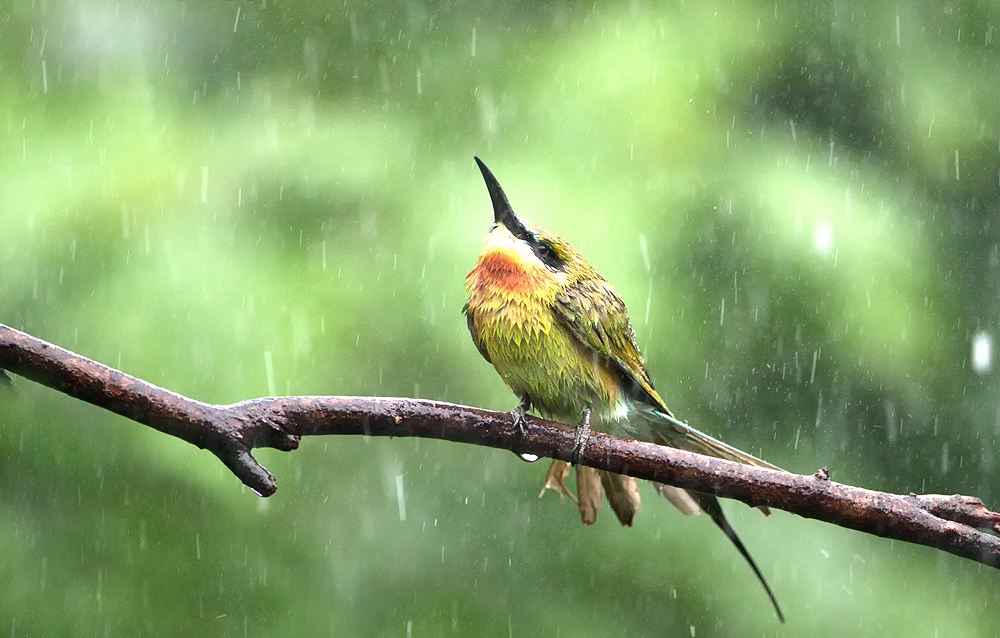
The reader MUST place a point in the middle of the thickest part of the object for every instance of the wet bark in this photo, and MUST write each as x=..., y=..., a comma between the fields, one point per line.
x=231, y=432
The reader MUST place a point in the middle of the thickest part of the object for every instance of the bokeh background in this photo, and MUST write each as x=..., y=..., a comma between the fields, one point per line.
x=799, y=202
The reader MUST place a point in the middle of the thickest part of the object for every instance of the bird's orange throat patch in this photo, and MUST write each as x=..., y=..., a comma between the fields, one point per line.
x=502, y=269
x=508, y=268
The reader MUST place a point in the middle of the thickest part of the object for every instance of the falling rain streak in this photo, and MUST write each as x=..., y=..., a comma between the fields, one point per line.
x=175, y=173
x=269, y=373
x=647, y=263
x=400, y=497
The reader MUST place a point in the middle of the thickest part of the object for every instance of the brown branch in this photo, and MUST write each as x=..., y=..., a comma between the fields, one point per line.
x=231, y=432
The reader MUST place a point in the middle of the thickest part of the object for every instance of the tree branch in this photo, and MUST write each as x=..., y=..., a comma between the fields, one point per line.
x=231, y=432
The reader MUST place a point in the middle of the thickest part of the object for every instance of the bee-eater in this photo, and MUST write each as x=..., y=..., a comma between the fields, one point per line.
x=560, y=337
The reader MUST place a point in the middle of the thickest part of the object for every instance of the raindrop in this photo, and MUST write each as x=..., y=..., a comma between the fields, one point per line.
x=644, y=251
x=400, y=497
x=269, y=371
x=823, y=238
x=982, y=353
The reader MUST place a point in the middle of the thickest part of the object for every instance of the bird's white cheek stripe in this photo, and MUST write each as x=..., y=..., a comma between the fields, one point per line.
x=501, y=239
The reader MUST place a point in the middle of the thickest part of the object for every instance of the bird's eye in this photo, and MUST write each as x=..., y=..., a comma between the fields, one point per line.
x=548, y=254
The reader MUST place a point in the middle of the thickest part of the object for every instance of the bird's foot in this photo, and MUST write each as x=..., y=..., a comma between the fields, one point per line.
x=518, y=416
x=581, y=438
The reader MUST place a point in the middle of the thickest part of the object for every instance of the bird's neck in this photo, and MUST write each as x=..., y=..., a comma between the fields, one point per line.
x=501, y=272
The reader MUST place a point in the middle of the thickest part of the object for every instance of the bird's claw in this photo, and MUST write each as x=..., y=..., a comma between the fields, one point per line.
x=581, y=437
x=518, y=416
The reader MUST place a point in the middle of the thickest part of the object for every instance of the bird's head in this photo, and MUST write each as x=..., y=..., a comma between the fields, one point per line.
x=518, y=256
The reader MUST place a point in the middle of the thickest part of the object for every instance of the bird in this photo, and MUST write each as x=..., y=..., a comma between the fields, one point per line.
x=561, y=339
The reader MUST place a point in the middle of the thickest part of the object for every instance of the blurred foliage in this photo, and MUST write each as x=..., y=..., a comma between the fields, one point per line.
x=797, y=200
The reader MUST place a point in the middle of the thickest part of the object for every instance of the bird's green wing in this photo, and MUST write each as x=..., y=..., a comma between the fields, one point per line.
x=475, y=333
x=596, y=316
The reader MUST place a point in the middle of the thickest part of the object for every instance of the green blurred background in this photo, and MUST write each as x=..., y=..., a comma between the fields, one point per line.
x=799, y=202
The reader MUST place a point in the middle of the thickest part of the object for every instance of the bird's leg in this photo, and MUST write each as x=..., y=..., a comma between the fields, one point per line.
x=582, y=436
x=518, y=416
x=521, y=423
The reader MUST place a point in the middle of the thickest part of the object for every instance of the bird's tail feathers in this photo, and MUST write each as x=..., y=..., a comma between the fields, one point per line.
x=679, y=498
x=711, y=506
x=667, y=430
x=676, y=433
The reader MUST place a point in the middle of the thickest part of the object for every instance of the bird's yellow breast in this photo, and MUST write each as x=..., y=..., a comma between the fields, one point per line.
x=511, y=304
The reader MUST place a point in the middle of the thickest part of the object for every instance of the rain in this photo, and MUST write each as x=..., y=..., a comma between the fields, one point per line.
x=798, y=203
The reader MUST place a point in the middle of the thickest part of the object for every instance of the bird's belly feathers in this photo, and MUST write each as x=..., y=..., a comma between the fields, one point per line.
x=537, y=357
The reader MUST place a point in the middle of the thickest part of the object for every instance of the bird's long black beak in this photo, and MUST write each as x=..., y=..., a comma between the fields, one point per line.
x=502, y=212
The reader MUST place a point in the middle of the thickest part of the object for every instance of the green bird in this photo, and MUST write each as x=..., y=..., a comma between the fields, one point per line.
x=560, y=337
